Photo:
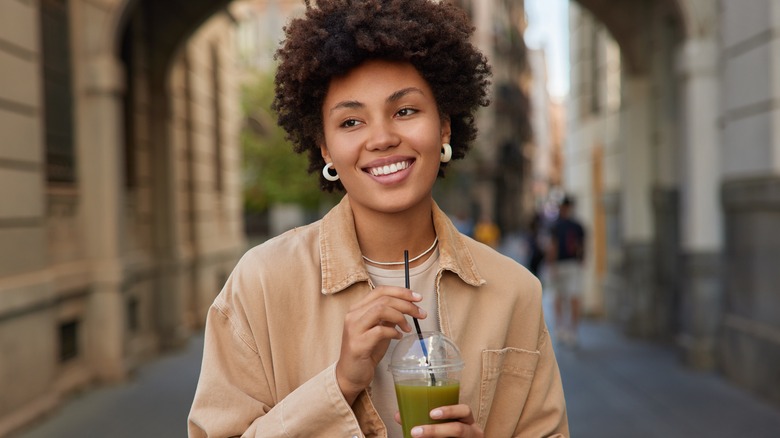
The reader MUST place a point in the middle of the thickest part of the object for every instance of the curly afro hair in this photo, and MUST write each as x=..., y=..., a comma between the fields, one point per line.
x=336, y=36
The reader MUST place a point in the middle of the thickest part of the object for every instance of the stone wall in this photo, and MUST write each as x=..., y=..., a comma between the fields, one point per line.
x=699, y=117
x=91, y=282
x=750, y=343
x=29, y=288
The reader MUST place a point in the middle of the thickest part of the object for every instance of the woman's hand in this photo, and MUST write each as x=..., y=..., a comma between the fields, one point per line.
x=368, y=328
x=463, y=424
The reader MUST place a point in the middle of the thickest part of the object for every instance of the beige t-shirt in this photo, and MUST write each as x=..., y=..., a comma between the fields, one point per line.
x=422, y=280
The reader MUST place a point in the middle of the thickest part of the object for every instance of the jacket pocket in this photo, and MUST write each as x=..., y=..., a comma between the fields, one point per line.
x=506, y=380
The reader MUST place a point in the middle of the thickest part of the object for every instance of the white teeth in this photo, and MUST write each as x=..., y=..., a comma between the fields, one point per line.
x=388, y=169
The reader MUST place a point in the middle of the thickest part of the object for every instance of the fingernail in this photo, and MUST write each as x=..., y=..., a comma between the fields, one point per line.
x=423, y=313
x=417, y=431
x=416, y=295
x=436, y=413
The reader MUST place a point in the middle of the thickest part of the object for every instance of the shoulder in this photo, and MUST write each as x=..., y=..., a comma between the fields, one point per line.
x=510, y=299
x=270, y=276
x=276, y=261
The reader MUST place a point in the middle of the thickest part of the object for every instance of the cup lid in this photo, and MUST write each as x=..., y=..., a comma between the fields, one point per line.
x=410, y=353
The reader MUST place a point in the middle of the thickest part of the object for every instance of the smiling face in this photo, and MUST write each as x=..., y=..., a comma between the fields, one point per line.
x=383, y=133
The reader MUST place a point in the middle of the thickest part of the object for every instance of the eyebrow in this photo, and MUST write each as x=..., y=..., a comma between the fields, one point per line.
x=401, y=93
x=351, y=104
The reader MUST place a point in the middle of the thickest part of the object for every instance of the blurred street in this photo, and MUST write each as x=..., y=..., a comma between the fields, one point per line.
x=154, y=403
x=615, y=387
x=140, y=148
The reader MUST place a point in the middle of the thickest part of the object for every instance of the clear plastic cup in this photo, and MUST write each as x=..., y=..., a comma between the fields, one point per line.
x=426, y=373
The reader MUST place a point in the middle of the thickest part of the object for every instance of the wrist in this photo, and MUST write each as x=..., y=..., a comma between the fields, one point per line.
x=347, y=388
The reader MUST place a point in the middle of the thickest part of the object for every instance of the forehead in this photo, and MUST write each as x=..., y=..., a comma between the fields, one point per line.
x=375, y=79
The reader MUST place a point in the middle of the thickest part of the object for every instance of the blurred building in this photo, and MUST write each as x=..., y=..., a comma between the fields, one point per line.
x=260, y=29
x=495, y=181
x=120, y=198
x=673, y=152
x=548, y=126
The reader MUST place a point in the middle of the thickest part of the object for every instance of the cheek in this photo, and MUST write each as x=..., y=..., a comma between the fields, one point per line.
x=334, y=143
x=436, y=142
x=341, y=151
x=427, y=136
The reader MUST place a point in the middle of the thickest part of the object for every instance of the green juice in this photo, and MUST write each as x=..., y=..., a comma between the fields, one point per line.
x=416, y=399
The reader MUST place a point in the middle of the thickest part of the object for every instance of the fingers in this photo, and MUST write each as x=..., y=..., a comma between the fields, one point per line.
x=368, y=328
x=462, y=424
x=389, y=291
x=385, y=306
x=387, y=312
x=453, y=429
x=461, y=412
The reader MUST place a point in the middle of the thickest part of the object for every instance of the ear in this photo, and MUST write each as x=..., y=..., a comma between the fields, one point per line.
x=324, y=152
x=446, y=129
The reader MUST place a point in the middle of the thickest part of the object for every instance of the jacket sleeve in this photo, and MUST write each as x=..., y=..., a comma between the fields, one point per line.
x=544, y=414
x=236, y=396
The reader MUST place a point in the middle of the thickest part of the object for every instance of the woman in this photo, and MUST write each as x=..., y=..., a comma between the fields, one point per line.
x=380, y=94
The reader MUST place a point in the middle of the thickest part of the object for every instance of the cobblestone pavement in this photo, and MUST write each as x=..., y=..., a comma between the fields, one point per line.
x=615, y=387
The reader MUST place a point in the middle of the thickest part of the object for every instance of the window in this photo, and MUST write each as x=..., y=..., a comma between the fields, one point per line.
x=128, y=57
x=216, y=91
x=69, y=340
x=133, y=323
x=58, y=92
x=596, y=74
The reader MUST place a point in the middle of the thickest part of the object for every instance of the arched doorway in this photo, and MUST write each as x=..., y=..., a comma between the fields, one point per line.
x=180, y=154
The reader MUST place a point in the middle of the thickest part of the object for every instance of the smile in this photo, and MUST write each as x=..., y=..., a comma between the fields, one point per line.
x=389, y=169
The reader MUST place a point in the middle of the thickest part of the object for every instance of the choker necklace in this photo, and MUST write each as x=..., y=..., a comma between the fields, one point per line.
x=433, y=245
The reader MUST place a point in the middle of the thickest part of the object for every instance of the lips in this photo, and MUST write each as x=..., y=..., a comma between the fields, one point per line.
x=389, y=169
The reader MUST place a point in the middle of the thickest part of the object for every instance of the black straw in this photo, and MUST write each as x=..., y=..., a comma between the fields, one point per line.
x=417, y=323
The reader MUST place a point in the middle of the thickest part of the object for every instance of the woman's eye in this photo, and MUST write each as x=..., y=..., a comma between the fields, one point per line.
x=351, y=123
x=406, y=112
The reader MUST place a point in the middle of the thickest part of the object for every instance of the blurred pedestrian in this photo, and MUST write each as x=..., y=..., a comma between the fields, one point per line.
x=565, y=256
x=535, y=246
x=380, y=95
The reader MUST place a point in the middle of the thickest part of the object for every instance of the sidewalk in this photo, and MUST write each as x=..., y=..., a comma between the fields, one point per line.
x=154, y=404
x=615, y=387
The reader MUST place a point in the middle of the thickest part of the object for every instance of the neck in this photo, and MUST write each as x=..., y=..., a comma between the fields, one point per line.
x=384, y=237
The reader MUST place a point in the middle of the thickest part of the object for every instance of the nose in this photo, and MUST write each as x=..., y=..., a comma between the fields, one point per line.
x=382, y=136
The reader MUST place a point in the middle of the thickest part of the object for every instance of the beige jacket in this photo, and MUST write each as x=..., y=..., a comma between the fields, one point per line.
x=273, y=338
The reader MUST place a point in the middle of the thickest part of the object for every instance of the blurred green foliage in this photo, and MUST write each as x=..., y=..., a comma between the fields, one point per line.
x=272, y=172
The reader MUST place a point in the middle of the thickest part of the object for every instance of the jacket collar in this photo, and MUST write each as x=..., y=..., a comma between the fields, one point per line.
x=342, y=264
